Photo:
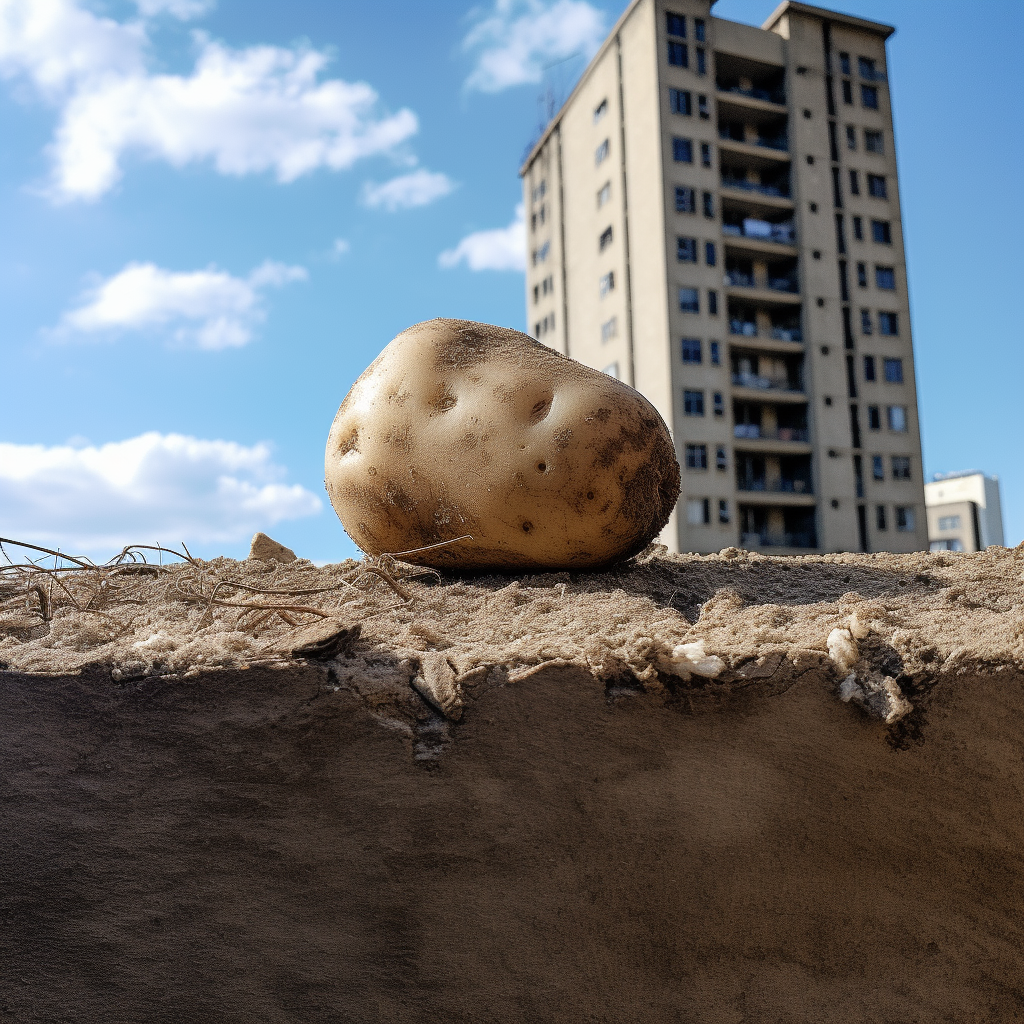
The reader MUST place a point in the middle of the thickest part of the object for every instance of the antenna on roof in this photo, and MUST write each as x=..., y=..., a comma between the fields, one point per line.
x=557, y=83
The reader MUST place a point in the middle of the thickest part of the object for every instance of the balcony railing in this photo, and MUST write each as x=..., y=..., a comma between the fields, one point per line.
x=739, y=279
x=743, y=327
x=753, y=432
x=775, y=487
x=762, y=230
x=765, y=539
x=762, y=383
x=754, y=186
x=786, y=334
x=779, y=142
x=770, y=96
x=783, y=284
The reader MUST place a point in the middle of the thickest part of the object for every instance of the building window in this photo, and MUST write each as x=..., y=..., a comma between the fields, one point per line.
x=723, y=510
x=865, y=321
x=869, y=96
x=698, y=30
x=702, y=107
x=601, y=152
x=536, y=329
x=692, y=350
x=710, y=255
x=702, y=64
x=536, y=294
x=540, y=191
x=880, y=517
x=677, y=55
x=720, y=458
x=609, y=329
x=876, y=186
x=851, y=137
x=881, y=232
x=679, y=102
x=873, y=142
x=869, y=367
x=893, y=371
x=605, y=240
x=847, y=92
x=718, y=404
x=904, y=518
x=897, y=417
x=949, y=522
x=709, y=205
x=866, y=67
x=874, y=420
x=901, y=467
x=889, y=324
x=854, y=183
x=844, y=63
x=858, y=229
x=698, y=511
x=541, y=254
x=885, y=277
x=685, y=199
x=712, y=302
x=705, y=154
x=604, y=195
x=606, y=283
x=696, y=456
x=612, y=369
x=862, y=275
x=675, y=24
x=682, y=150
x=686, y=250
x=877, y=468
x=716, y=353
x=600, y=110
x=693, y=403
x=689, y=300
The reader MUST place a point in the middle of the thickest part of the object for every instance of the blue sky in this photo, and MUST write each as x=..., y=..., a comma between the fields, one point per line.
x=216, y=214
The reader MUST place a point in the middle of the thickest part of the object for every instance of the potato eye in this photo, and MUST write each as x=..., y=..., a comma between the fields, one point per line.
x=527, y=526
x=446, y=403
x=590, y=495
x=542, y=467
x=540, y=409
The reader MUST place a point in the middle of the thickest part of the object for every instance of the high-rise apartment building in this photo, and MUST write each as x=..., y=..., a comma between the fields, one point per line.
x=713, y=216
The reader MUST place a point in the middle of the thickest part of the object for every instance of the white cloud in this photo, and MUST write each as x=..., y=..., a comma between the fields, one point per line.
x=340, y=247
x=515, y=41
x=209, y=308
x=418, y=188
x=263, y=108
x=165, y=487
x=497, y=249
x=182, y=9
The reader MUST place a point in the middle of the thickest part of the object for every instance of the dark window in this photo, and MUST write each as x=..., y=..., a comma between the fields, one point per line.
x=716, y=357
x=851, y=137
x=847, y=90
x=723, y=510
x=601, y=152
x=606, y=283
x=677, y=55
x=676, y=25
x=900, y=467
x=894, y=371
x=709, y=204
x=869, y=367
x=866, y=67
x=833, y=145
x=719, y=404
x=705, y=154
x=680, y=102
x=698, y=30
x=865, y=321
x=854, y=183
x=682, y=151
x=702, y=106
x=693, y=403
x=605, y=240
x=689, y=300
x=696, y=456
x=874, y=419
x=880, y=517
x=702, y=62
x=600, y=110
x=712, y=302
x=885, y=277
x=862, y=275
x=844, y=289
x=877, y=467
x=686, y=250
x=869, y=96
x=844, y=63
x=692, y=350
x=710, y=255
x=876, y=186
x=873, y=142
x=858, y=229
x=837, y=189
x=881, y=232
x=904, y=518
x=840, y=234
x=889, y=324
x=720, y=459
x=684, y=199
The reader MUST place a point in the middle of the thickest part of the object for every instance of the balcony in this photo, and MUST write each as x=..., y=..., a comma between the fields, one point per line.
x=786, y=334
x=745, y=328
x=766, y=539
x=778, y=191
x=776, y=96
x=738, y=279
x=788, y=284
x=760, y=382
x=753, y=432
x=756, y=230
x=802, y=487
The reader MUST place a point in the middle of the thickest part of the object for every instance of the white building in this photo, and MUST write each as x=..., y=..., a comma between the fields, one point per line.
x=964, y=511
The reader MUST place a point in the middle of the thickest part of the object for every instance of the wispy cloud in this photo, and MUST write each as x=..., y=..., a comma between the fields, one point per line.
x=259, y=109
x=516, y=39
x=418, y=188
x=496, y=249
x=182, y=9
x=151, y=487
x=209, y=308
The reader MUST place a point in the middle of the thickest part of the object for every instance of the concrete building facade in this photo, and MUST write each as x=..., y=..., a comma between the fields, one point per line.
x=713, y=216
x=964, y=512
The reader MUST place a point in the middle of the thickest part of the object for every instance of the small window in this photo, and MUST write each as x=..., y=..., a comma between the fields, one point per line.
x=689, y=300
x=609, y=329
x=718, y=404
x=677, y=55
x=696, y=456
x=854, y=183
x=873, y=142
x=709, y=205
x=889, y=324
x=877, y=467
x=536, y=329
x=536, y=294
x=686, y=250
x=692, y=350
x=869, y=367
x=897, y=417
x=720, y=458
x=712, y=302
x=612, y=369
x=693, y=403
x=605, y=240
x=601, y=152
x=541, y=254
x=893, y=371
x=723, y=510
x=862, y=275
x=885, y=277
x=710, y=255
x=675, y=24
x=679, y=102
x=869, y=96
x=865, y=321
x=682, y=150
x=876, y=186
x=866, y=67
x=844, y=63
x=698, y=511
x=874, y=420
x=858, y=229
x=901, y=467
x=699, y=32
x=702, y=107
x=600, y=110
x=607, y=282
x=904, y=518
x=950, y=522
x=881, y=232
x=604, y=195
x=851, y=137
x=685, y=199
x=847, y=92
x=705, y=154
x=540, y=191
x=716, y=353
x=880, y=517
x=702, y=62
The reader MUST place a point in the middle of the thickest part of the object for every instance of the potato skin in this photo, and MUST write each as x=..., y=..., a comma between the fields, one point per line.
x=464, y=428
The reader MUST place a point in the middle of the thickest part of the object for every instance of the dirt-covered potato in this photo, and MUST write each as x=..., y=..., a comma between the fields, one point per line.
x=463, y=428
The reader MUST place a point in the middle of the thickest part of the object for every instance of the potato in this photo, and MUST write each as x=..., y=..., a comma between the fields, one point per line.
x=459, y=428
